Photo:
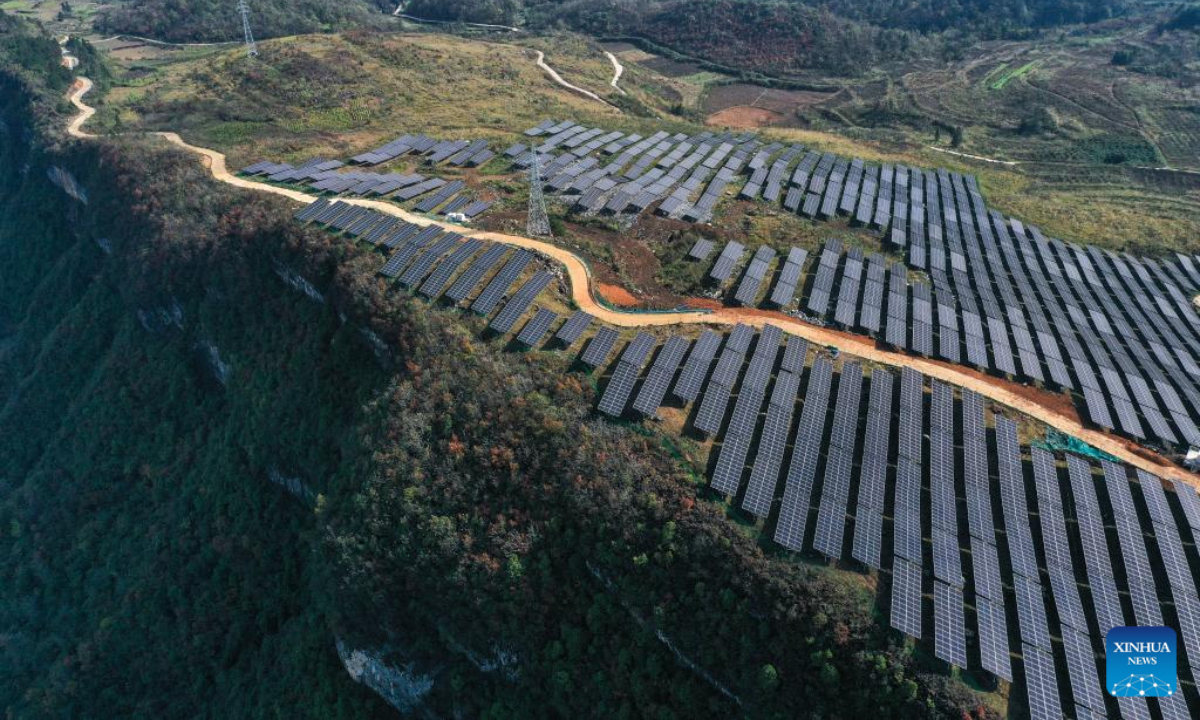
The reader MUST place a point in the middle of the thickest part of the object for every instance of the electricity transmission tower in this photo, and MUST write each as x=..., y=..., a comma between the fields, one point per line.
x=539, y=221
x=244, y=10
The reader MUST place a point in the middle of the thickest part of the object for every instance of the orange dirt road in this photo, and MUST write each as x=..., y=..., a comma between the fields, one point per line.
x=1018, y=397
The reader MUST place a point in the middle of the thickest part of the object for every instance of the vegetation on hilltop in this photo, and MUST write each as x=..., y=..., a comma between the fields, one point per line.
x=204, y=21
x=778, y=37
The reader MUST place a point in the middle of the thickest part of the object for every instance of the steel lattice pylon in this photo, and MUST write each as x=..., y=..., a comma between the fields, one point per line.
x=244, y=11
x=539, y=220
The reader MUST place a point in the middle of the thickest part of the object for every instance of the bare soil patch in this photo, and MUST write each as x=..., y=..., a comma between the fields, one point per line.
x=617, y=295
x=744, y=117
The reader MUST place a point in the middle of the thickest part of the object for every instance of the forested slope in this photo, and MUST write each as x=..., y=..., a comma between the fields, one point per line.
x=225, y=445
x=778, y=37
x=206, y=21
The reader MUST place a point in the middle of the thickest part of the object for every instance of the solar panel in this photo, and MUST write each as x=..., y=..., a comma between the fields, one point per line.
x=536, y=328
x=793, y=515
x=425, y=261
x=695, y=370
x=949, y=635
x=495, y=290
x=400, y=259
x=702, y=249
x=311, y=210
x=1174, y=707
x=831, y=514
x=1031, y=612
x=1081, y=668
x=764, y=476
x=520, y=302
x=912, y=411
x=616, y=394
x=868, y=530
x=985, y=564
x=599, y=348
x=573, y=328
x=947, y=564
x=1041, y=683
x=1013, y=503
x=797, y=350
x=711, y=414
x=1133, y=708
x=436, y=283
x=466, y=282
x=728, y=259
x=906, y=597
x=873, y=474
x=654, y=388
x=993, y=637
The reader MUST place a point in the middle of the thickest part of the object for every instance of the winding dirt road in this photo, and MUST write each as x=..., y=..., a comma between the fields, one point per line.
x=618, y=71
x=541, y=62
x=1049, y=408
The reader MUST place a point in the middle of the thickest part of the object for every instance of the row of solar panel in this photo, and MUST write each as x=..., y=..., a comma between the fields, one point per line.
x=949, y=580
x=958, y=333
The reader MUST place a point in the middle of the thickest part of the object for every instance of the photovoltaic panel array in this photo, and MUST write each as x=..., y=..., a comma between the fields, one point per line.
x=831, y=513
x=1175, y=562
x=425, y=261
x=1041, y=683
x=711, y=413
x=520, y=301
x=747, y=291
x=625, y=376
x=436, y=283
x=789, y=277
x=1146, y=608
x=764, y=476
x=537, y=327
x=598, y=349
x=573, y=328
x=727, y=261
x=494, y=292
x=658, y=379
x=872, y=482
x=798, y=485
x=736, y=443
x=949, y=637
x=906, y=597
x=695, y=369
x=471, y=277
x=1090, y=523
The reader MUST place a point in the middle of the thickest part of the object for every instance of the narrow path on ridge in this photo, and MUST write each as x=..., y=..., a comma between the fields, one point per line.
x=1000, y=391
x=541, y=62
x=618, y=71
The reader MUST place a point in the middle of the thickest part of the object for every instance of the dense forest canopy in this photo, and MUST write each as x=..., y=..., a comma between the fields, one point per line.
x=206, y=21
x=837, y=35
x=775, y=37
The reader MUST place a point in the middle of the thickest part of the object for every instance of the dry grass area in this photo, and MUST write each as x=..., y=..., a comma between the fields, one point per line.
x=338, y=95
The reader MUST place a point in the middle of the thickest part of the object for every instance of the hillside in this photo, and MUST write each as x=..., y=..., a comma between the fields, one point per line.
x=780, y=37
x=184, y=21
x=230, y=451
